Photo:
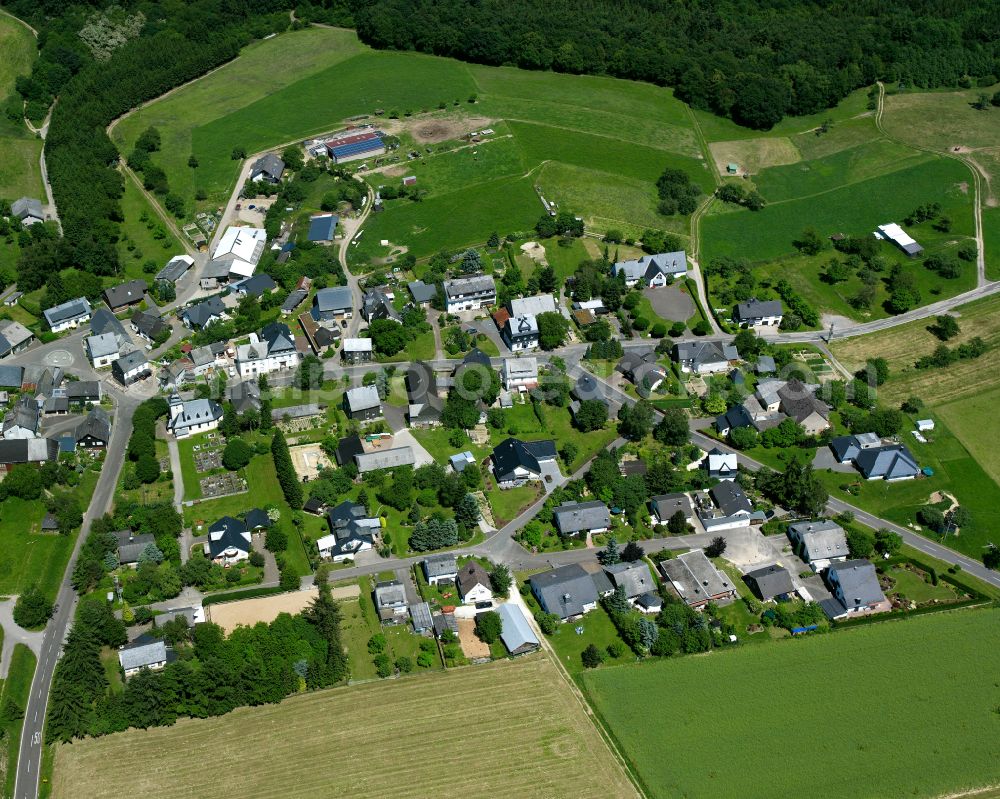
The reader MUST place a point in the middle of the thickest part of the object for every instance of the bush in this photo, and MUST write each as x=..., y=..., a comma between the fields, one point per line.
x=237, y=454
x=592, y=657
x=488, y=626
x=32, y=608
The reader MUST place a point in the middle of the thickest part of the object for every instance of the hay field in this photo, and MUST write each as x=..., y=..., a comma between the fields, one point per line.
x=753, y=155
x=904, y=708
x=390, y=738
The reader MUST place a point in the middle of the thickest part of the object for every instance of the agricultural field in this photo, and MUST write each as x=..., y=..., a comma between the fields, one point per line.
x=697, y=726
x=537, y=722
x=562, y=132
x=19, y=171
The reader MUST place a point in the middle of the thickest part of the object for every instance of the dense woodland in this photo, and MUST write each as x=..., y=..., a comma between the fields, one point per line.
x=752, y=61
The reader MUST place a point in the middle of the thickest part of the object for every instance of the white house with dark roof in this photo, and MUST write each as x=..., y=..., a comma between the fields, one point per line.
x=754, y=312
x=202, y=314
x=721, y=465
x=192, y=416
x=856, y=590
x=267, y=169
x=27, y=210
x=271, y=351
x=473, y=583
x=653, y=271
x=357, y=350
x=130, y=367
x=352, y=531
x=440, y=569
x=703, y=357
x=568, y=591
x=515, y=462
x=229, y=541
x=142, y=654
x=520, y=332
x=68, y=314
x=726, y=507
x=469, y=293
x=664, y=506
x=633, y=578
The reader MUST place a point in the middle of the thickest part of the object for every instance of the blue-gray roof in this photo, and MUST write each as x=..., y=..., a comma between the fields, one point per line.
x=515, y=632
x=136, y=656
x=422, y=292
x=71, y=309
x=889, y=462
x=322, y=228
x=334, y=298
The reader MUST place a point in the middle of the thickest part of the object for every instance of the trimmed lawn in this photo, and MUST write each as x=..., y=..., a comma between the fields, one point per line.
x=508, y=503
x=658, y=714
x=359, y=623
x=916, y=586
x=597, y=630
x=435, y=441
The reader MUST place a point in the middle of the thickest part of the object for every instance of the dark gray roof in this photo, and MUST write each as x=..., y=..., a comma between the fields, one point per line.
x=891, y=462
x=256, y=285
x=24, y=414
x=821, y=539
x=125, y=293
x=56, y=405
x=799, y=401
x=334, y=298
x=422, y=292
x=470, y=575
x=699, y=352
x=770, y=581
x=695, y=578
x=136, y=656
x=201, y=313
x=420, y=615
x=174, y=270
x=348, y=448
x=130, y=546
x=255, y=518
x=472, y=285
x=28, y=450
x=634, y=578
x=149, y=324
x=564, y=591
x=512, y=452
x=756, y=309
x=103, y=321
x=575, y=517
x=845, y=448
x=227, y=533
x=376, y=305
x=294, y=300
x=445, y=621
x=131, y=360
x=244, y=395
x=390, y=593
x=10, y=376
x=440, y=565
x=83, y=389
x=730, y=498
x=71, y=309
x=27, y=206
x=855, y=583
x=666, y=505
x=362, y=398
x=270, y=165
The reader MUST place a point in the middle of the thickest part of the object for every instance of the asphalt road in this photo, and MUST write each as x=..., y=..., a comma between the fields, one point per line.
x=29, y=760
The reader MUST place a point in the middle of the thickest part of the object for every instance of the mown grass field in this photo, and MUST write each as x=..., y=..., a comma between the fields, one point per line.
x=897, y=709
x=539, y=743
x=16, y=688
x=141, y=235
x=19, y=171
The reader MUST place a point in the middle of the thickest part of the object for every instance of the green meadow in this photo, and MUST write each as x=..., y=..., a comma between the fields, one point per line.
x=19, y=171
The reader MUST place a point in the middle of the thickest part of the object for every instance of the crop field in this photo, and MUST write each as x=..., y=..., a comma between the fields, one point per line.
x=904, y=709
x=855, y=209
x=539, y=743
x=753, y=155
x=19, y=171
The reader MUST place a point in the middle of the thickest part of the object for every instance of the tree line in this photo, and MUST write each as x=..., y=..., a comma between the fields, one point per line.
x=752, y=62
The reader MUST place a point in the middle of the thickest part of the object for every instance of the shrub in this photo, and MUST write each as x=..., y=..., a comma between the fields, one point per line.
x=32, y=608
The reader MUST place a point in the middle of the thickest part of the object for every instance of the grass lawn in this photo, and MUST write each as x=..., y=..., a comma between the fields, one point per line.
x=597, y=630
x=916, y=586
x=192, y=477
x=435, y=441
x=16, y=687
x=359, y=624
x=509, y=502
x=657, y=712
x=19, y=171
x=144, y=236
x=29, y=557
x=540, y=724
x=263, y=490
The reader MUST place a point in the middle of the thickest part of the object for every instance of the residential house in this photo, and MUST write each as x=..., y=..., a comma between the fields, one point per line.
x=653, y=271
x=362, y=403
x=148, y=653
x=83, y=391
x=819, y=543
x=352, y=530
x=469, y=293
x=256, y=286
x=721, y=465
x=384, y=459
x=11, y=377
x=568, y=591
x=274, y=349
x=131, y=546
x=704, y=357
x=440, y=569
x=515, y=462
x=847, y=448
x=376, y=305
x=237, y=254
x=22, y=420
x=192, y=416
x=125, y=295
x=799, y=402
x=94, y=431
x=474, y=584
x=726, y=507
x=14, y=337
x=424, y=406
x=149, y=326
x=421, y=618
x=856, y=590
x=244, y=396
x=267, y=169
x=696, y=581
x=888, y=462
x=390, y=601
x=532, y=306
x=574, y=518
x=520, y=333
x=423, y=293
x=28, y=210
x=293, y=301
x=130, y=367
x=515, y=632
x=773, y=402
x=67, y=314
x=103, y=321
x=175, y=269
x=333, y=304
x=754, y=312
x=633, y=578
x=102, y=350
x=204, y=313
x=322, y=228
x=665, y=506
x=229, y=541
x=27, y=450
x=519, y=374
x=770, y=582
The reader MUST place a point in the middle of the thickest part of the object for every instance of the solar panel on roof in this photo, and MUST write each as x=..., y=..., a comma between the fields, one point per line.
x=356, y=147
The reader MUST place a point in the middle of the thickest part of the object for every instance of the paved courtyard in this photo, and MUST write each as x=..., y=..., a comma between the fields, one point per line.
x=670, y=303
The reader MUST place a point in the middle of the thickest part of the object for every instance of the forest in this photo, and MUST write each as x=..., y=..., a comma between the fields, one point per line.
x=753, y=62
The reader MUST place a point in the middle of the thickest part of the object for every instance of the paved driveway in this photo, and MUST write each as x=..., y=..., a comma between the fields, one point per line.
x=824, y=460
x=670, y=303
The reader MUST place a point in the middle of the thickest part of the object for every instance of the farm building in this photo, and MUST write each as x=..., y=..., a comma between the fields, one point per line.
x=356, y=146
x=385, y=459
x=362, y=403
x=333, y=304
x=28, y=210
x=237, y=254
x=894, y=233
x=175, y=269
x=516, y=633
x=322, y=228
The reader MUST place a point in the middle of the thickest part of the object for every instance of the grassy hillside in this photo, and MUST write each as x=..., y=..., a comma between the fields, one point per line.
x=19, y=171
x=698, y=726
